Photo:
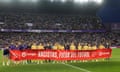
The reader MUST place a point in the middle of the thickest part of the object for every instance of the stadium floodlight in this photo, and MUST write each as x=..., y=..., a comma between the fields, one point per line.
x=63, y=1
x=23, y=0
x=76, y=1
x=84, y=1
x=34, y=0
x=51, y=0
x=98, y=1
x=81, y=1
x=29, y=1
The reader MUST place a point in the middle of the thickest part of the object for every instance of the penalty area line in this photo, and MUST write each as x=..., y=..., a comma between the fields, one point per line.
x=75, y=67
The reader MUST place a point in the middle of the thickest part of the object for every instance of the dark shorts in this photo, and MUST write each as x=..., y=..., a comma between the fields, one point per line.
x=6, y=52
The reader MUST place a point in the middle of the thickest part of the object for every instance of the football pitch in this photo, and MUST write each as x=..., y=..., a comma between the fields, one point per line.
x=112, y=65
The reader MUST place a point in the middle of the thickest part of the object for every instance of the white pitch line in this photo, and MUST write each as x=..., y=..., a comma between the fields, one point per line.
x=75, y=67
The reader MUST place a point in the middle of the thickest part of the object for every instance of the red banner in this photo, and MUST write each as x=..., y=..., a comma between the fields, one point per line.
x=59, y=54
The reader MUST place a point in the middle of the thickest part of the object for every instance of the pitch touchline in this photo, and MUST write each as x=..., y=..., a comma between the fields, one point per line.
x=75, y=67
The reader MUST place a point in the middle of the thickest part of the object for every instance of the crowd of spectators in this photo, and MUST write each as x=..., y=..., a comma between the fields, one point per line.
x=54, y=22
x=107, y=39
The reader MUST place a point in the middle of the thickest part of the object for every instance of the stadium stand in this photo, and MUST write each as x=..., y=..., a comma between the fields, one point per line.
x=46, y=22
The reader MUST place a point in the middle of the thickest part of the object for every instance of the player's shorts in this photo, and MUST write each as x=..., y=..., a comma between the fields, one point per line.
x=6, y=52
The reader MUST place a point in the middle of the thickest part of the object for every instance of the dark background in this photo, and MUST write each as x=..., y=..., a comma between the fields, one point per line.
x=109, y=11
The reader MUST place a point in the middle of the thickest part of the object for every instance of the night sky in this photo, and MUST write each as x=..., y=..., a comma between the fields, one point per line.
x=110, y=12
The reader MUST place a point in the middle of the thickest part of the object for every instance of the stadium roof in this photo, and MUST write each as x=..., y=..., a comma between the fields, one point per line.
x=82, y=7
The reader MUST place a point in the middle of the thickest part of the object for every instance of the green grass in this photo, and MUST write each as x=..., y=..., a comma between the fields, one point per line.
x=113, y=65
x=0, y=57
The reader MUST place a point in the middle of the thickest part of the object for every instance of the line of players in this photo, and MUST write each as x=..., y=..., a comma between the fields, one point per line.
x=55, y=46
x=48, y=46
x=72, y=46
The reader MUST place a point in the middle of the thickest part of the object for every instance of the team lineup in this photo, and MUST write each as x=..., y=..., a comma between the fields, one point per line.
x=56, y=46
